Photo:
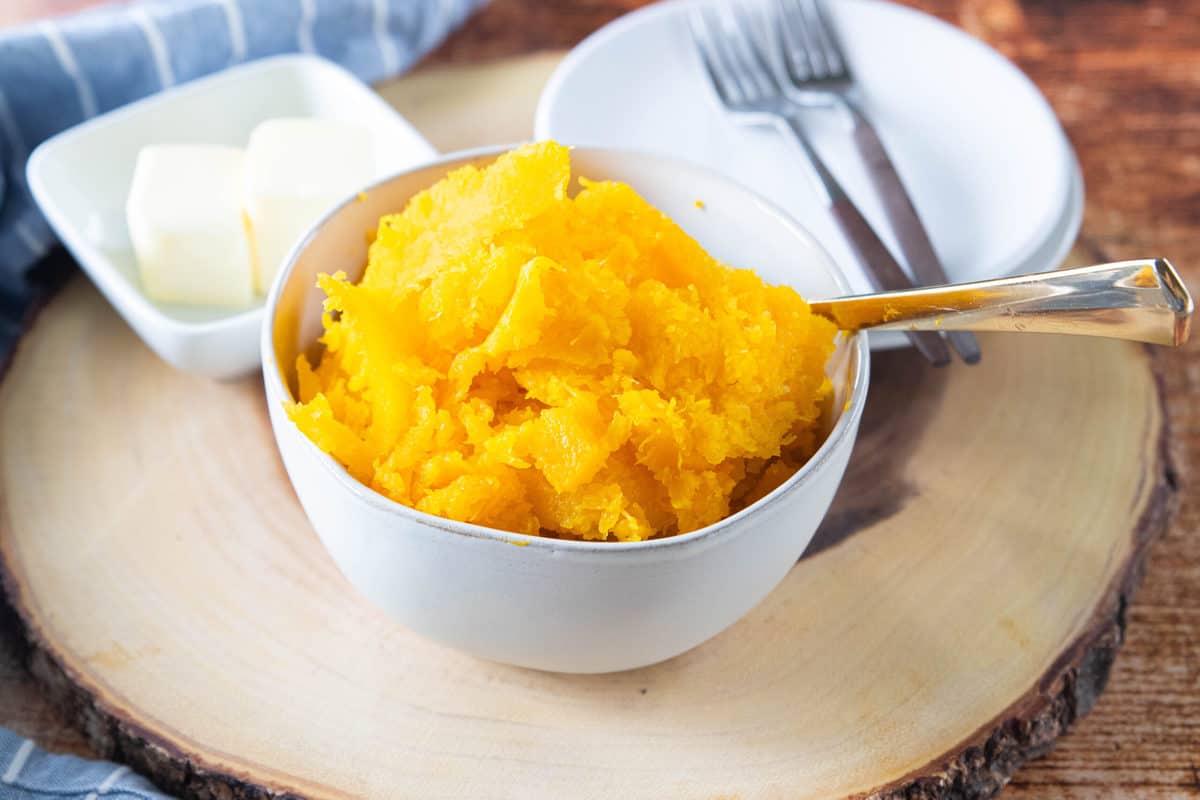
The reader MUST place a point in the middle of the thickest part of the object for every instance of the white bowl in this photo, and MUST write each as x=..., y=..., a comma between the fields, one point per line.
x=568, y=606
x=80, y=179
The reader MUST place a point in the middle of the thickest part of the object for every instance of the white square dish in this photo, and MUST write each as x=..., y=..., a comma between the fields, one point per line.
x=80, y=179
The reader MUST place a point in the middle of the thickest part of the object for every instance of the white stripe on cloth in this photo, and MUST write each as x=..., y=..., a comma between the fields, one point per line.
x=8, y=126
x=18, y=763
x=304, y=36
x=108, y=783
x=66, y=59
x=30, y=239
x=158, y=46
x=237, y=29
x=447, y=10
x=387, y=48
x=111, y=780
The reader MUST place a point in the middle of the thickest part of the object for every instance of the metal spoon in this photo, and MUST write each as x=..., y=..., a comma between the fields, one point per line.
x=1143, y=301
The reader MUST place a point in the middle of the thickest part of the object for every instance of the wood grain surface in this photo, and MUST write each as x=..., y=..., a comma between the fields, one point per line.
x=1125, y=79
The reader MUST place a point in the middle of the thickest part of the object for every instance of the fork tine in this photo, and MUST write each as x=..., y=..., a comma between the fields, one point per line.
x=728, y=43
x=831, y=36
x=720, y=74
x=745, y=24
x=793, y=51
x=823, y=33
x=740, y=35
x=812, y=46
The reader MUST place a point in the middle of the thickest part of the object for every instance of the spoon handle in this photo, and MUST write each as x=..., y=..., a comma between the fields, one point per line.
x=1143, y=301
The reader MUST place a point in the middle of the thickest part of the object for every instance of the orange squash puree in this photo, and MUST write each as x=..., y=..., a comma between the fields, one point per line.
x=1145, y=278
x=570, y=366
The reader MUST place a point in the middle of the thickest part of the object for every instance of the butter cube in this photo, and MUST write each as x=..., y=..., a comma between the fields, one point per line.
x=296, y=170
x=184, y=212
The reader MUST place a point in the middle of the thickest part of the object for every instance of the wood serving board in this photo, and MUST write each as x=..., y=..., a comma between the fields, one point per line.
x=959, y=610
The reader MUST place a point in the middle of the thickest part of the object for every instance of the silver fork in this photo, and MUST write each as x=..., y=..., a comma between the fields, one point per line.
x=815, y=64
x=749, y=90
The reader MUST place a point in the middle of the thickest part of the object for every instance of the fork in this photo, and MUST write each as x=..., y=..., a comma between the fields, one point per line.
x=816, y=66
x=750, y=92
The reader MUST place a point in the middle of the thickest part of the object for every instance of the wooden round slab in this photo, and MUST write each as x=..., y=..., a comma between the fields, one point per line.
x=181, y=607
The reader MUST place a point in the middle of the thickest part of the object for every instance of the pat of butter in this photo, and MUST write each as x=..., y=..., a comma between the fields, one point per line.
x=296, y=170
x=185, y=222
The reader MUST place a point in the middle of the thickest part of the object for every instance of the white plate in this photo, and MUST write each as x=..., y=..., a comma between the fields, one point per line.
x=80, y=179
x=987, y=163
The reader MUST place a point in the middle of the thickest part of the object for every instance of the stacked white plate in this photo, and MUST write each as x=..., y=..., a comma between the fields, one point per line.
x=982, y=154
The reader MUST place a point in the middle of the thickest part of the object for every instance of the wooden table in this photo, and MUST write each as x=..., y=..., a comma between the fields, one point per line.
x=1125, y=80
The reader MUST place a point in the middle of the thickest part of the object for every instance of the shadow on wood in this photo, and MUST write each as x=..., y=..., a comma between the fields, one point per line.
x=905, y=395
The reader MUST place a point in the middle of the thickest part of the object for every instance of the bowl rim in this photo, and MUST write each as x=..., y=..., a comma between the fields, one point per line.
x=847, y=423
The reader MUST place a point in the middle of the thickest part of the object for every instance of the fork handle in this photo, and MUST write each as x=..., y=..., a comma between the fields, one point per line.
x=902, y=214
x=882, y=269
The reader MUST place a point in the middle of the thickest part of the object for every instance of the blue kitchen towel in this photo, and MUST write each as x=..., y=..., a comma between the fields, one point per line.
x=27, y=773
x=56, y=73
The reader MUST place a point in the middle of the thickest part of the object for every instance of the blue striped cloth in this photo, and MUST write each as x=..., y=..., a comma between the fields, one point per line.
x=27, y=773
x=56, y=73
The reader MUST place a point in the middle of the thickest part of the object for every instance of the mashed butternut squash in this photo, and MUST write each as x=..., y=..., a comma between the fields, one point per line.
x=567, y=366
